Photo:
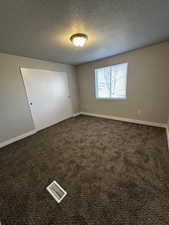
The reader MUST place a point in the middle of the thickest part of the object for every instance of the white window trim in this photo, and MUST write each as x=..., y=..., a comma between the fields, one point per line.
x=111, y=98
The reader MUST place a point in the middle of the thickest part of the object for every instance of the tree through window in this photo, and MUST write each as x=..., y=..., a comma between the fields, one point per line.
x=111, y=81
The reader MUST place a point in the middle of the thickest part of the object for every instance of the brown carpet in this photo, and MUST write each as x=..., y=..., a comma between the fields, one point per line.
x=114, y=172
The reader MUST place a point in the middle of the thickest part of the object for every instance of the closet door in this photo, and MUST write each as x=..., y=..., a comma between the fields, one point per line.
x=48, y=96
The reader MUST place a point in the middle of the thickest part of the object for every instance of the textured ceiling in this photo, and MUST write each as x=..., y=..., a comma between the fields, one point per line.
x=41, y=28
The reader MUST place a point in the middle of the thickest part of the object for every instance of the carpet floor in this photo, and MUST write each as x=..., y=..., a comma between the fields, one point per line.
x=115, y=173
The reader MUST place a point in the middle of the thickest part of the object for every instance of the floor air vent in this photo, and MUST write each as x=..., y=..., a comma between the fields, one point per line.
x=56, y=191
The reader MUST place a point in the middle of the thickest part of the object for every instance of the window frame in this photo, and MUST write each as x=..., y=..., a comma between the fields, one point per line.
x=110, y=98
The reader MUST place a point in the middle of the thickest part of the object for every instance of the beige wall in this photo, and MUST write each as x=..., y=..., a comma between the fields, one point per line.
x=147, y=89
x=15, y=116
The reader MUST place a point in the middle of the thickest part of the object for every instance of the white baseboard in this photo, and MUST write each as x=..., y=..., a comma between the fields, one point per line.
x=12, y=140
x=126, y=119
x=167, y=130
x=76, y=114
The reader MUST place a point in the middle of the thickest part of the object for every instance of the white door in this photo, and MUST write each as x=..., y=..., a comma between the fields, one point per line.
x=48, y=96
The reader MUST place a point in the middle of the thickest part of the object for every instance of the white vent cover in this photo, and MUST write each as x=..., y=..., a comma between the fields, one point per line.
x=56, y=191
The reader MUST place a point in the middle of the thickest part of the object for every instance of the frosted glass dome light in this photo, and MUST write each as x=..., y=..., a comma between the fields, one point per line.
x=79, y=39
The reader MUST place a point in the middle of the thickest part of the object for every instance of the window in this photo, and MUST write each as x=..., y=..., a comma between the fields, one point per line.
x=111, y=81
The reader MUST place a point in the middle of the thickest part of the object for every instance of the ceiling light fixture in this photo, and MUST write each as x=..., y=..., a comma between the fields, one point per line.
x=79, y=39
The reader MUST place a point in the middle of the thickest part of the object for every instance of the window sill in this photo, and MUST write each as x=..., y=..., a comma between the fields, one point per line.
x=112, y=98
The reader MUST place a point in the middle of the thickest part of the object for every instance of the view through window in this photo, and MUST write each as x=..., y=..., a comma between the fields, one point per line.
x=111, y=81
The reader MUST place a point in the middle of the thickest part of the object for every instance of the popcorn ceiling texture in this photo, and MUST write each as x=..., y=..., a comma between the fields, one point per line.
x=41, y=29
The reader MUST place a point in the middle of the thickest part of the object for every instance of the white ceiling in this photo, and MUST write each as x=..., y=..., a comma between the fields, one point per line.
x=41, y=28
